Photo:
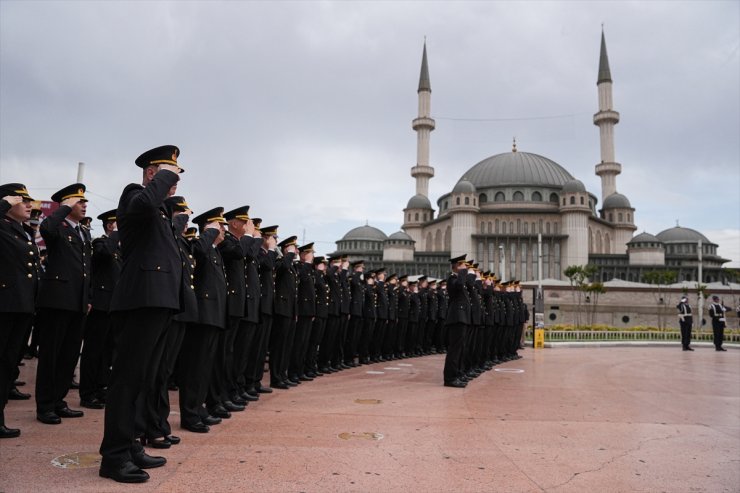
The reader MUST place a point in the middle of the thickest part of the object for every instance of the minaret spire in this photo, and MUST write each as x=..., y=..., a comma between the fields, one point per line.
x=423, y=125
x=605, y=119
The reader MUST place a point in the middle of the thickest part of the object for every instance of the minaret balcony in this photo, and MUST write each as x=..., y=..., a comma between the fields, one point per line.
x=608, y=169
x=423, y=123
x=607, y=116
x=422, y=171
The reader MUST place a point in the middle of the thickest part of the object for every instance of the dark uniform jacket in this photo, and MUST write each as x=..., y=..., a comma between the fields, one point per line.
x=210, y=280
x=322, y=295
x=189, y=311
x=381, y=297
x=346, y=292
x=151, y=275
x=414, y=307
x=357, y=287
x=234, y=252
x=424, y=305
x=335, y=291
x=266, y=263
x=106, y=269
x=392, y=302
x=476, y=317
x=285, y=286
x=251, y=268
x=432, y=305
x=442, y=304
x=306, y=290
x=458, y=311
x=19, y=267
x=369, y=305
x=489, y=309
x=65, y=285
x=404, y=303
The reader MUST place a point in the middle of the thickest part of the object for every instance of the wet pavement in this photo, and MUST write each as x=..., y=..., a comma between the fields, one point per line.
x=561, y=419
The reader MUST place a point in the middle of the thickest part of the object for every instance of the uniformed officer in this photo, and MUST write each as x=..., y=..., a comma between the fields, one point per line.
x=328, y=359
x=345, y=309
x=305, y=313
x=311, y=368
x=441, y=331
x=369, y=315
x=18, y=286
x=457, y=321
x=414, y=313
x=63, y=302
x=357, y=297
x=144, y=300
x=717, y=312
x=685, y=321
x=404, y=305
x=98, y=348
x=285, y=314
x=381, y=312
x=391, y=331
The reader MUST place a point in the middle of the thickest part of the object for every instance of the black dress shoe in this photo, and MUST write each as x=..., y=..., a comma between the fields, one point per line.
x=720, y=349
x=290, y=383
x=456, y=383
x=128, y=472
x=93, y=403
x=280, y=385
x=174, y=440
x=312, y=374
x=249, y=397
x=19, y=383
x=237, y=399
x=160, y=442
x=233, y=407
x=6, y=432
x=197, y=428
x=220, y=412
x=305, y=378
x=211, y=420
x=146, y=461
x=66, y=412
x=17, y=395
x=264, y=390
x=49, y=418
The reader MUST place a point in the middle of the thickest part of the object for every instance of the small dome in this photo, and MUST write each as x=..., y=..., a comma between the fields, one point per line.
x=617, y=201
x=419, y=201
x=682, y=235
x=400, y=235
x=464, y=186
x=644, y=238
x=365, y=233
x=574, y=186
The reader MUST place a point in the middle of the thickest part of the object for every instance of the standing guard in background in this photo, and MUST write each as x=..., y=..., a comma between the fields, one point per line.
x=63, y=303
x=97, y=351
x=457, y=321
x=685, y=320
x=306, y=313
x=285, y=313
x=148, y=293
x=196, y=362
x=717, y=312
x=18, y=286
x=157, y=429
x=311, y=366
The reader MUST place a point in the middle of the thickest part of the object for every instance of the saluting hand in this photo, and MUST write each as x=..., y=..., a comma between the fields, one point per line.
x=13, y=199
x=170, y=167
x=70, y=202
x=213, y=225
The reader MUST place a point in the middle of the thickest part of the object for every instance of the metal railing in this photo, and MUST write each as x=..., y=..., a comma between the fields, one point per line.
x=627, y=335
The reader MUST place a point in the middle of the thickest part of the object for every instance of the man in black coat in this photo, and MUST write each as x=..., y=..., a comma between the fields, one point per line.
x=311, y=367
x=404, y=305
x=148, y=293
x=328, y=361
x=345, y=309
x=457, y=322
x=389, y=338
x=98, y=348
x=381, y=316
x=440, y=334
x=369, y=316
x=18, y=286
x=285, y=315
x=305, y=312
x=357, y=297
x=63, y=303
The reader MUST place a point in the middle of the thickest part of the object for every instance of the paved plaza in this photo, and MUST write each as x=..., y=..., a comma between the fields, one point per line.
x=647, y=419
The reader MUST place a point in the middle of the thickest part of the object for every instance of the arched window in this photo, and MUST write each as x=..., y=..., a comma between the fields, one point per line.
x=572, y=200
x=555, y=227
x=518, y=226
x=438, y=241
x=607, y=244
x=503, y=227
x=619, y=217
x=499, y=197
x=490, y=227
x=446, y=204
x=457, y=201
x=526, y=227
x=482, y=228
x=518, y=196
x=416, y=216
x=629, y=217
x=563, y=200
x=467, y=200
x=448, y=239
x=582, y=202
x=511, y=227
x=429, y=242
x=482, y=198
x=537, y=197
x=425, y=216
x=496, y=226
x=554, y=197
x=409, y=217
x=473, y=201
x=547, y=228
x=611, y=217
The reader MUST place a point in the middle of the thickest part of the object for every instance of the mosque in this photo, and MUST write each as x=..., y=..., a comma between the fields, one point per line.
x=500, y=209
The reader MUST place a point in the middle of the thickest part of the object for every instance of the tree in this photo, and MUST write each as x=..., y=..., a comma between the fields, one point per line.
x=593, y=290
x=661, y=279
x=578, y=275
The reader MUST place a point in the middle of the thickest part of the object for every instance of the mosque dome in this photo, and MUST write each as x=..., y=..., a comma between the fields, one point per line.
x=419, y=201
x=401, y=236
x=464, y=186
x=616, y=201
x=679, y=234
x=365, y=233
x=574, y=186
x=644, y=238
x=516, y=168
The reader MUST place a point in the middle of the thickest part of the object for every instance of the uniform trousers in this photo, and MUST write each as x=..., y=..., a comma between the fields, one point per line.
x=246, y=339
x=456, y=345
x=685, y=331
x=311, y=361
x=328, y=345
x=255, y=369
x=12, y=332
x=302, y=335
x=217, y=387
x=354, y=329
x=59, y=348
x=400, y=343
x=718, y=330
x=139, y=343
x=194, y=368
x=366, y=336
x=376, y=347
x=95, y=359
x=157, y=409
x=278, y=338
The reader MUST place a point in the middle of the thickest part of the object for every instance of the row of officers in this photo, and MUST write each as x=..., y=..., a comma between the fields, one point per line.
x=158, y=302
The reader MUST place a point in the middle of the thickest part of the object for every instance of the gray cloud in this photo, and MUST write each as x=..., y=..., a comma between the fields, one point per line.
x=303, y=109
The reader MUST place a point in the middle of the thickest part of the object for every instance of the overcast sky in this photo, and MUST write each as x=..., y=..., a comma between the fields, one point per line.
x=303, y=109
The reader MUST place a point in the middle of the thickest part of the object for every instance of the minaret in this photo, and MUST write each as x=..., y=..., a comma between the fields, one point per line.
x=423, y=125
x=605, y=119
